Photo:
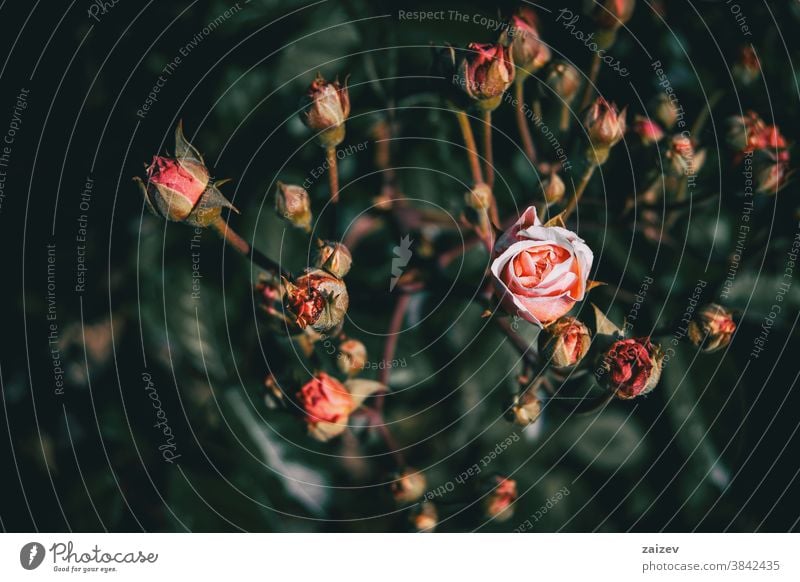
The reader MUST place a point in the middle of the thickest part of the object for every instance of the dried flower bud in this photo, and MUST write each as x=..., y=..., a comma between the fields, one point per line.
x=631, y=367
x=564, y=79
x=748, y=132
x=521, y=34
x=334, y=257
x=499, y=504
x=712, y=328
x=485, y=72
x=605, y=126
x=648, y=130
x=666, y=111
x=553, y=188
x=317, y=299
x=352, y=357
x=180, y=188
x=525, y=408
x=609, y=15
x=565, y=342
x=325, y=109
x=408, y=486
x=425, y=518
x=327, y=405
x=293, y=205
x=480, y=197
x=681, y=155
x=747, y=69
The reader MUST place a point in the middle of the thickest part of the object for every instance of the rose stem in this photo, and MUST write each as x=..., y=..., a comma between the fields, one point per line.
x=333, y=173
x=472, y=148
x=487, y=147
x=522, y=122
x=392, y=335
x=243, y=248
x=591, y=81
x=573, y=203
x=523, y=346
x=564, y=126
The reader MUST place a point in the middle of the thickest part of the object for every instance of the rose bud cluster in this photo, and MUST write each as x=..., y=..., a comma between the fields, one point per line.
x=485, y=72
x=334, y=257
x=317, y=299
x=521, y=34
x=352, y=357
x=425, y=518
x=408, y=486
x=326, y=107
x=712, y=328
x=180, y=188
x=609, y=16
x=525, y=408
x=648, y=130
x=327, y=405
x=540, y=271
x=630, y=367
x=605, y=126
x=499, y=504
x=553, y=188
x=293, y=204
x=565, y=342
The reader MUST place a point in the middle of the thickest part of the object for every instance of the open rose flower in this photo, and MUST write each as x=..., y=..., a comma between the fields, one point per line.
x=631, y=367
x=540, y=271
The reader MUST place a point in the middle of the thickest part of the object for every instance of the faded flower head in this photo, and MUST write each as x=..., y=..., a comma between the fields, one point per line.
x=408, y=486
x=605, y=126
x=326, y=107
x=327, y=404
x=565, y=342
x=293, y=204
x=334, y=257
x=317, y=299
x=499, y=503
x=630, y=367
x=522, y=35
x=712, y=328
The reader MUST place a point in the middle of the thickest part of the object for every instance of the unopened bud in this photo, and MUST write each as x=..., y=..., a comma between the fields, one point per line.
x=293, y=205
x=605, y=126
x=499, y=504
x=609, y=15
x=334, y=257
x=352, y=357
x=565, y=342
x=325, y=109
x=525, y=408
x=485, y=72
x=408, y=486
x=712, y=328
x=480, y=197
x=553, y=188
x=564, y=79
x=425, y=518
x=527, y=49
x=648, y=130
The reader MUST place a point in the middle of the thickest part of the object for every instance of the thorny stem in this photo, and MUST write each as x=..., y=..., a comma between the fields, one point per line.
x=573, y=203
x=522, y=122
x=243, y=248
x=333, y=173
x=487, y=147
x=472, y=148
x=591, y=81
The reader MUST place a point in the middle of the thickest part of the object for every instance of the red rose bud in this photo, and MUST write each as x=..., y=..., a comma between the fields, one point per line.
x=180, y=188
x=352, y=357
x=326, y=108
x=485, y=72
x=317, y=299
x=772, y=177
x=499, y=504
x=553, y=188
x=747, y=69
x=293, y=205
x=334, y=257
x=525, y=408
x=565, y=342
x=712, y=328
x=609, y=15
x=408, y=486
x=648, y=130
x=564, y=79
x=630, y=368
x=527, y=49
x=326, y=404
x=605, y=126
x=425, y=518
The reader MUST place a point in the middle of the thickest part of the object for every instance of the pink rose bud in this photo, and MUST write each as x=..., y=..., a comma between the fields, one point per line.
x=486, y=71
x=564, y=79
x=540, y=271
x=525, y=408
x=521, y=34
x=648, y=130
x=499, y=504
x=352, y=357
x=609, y=15
x=327, y=404
x=565, y=342
x=605, y=126
x=712, y=328
x=630, y=368
x=408, y=486
x=553, y=188
x=334, y=257
x=326, y=108
x=180, y=188
x=317, y=299
x=425, y=518
x=293, y=205
x=480, y=197
x=747, y=69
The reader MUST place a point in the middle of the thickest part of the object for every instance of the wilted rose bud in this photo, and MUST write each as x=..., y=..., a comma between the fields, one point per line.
x=352, y=357
x=293, y=205
x=609, y=15
x=665, y=110
x=747, y=69
x=334, y=257
x=565, y=342
x=553, y=188
x=525, y=408
x=522, y=35
x=180, y=188
x=499, y=504
x=327, y=404
x=480, y=197
x=317, y=299
x=772, y=177
x=564, y=79
x=425, y=518
x=648, y=130
x=325, y=109
x=408, y=486
x=485, y=72
x=712, y=328
x=631, y=367
x=605, y=126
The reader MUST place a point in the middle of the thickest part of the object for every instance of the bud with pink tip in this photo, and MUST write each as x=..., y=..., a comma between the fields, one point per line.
x=499, y=504
x=553, y=188
x=630, y=367
x=648, y=130
x=565, y=342
x=485, y=72
x=605, y=126
x=317, y=299
x=609, y=15
x=527, y=49
x=325, y=109
x=352, y=357
x=713, y=328
x=293, y=204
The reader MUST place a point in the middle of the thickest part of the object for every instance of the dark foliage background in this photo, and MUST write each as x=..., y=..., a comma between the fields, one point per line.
x=713, y=448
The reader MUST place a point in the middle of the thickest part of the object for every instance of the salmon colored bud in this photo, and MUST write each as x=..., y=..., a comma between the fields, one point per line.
x=630, y=368
x=665, y=110
x=325, y=109
x=648, y=130
x=293, y=204
x=747, y=69
x=327, y=404
x=521, y=34
x=499, y=504
x=605, y=126
x=712, y=328
x=317, y=299
x=485, y=72
x=334, y=257
x=525, y=408
x=408, y=486
x=480, y=197
x=425, y=518
x=352, y=357
x=565, y=342
x=564, y=79
x=553, y=188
